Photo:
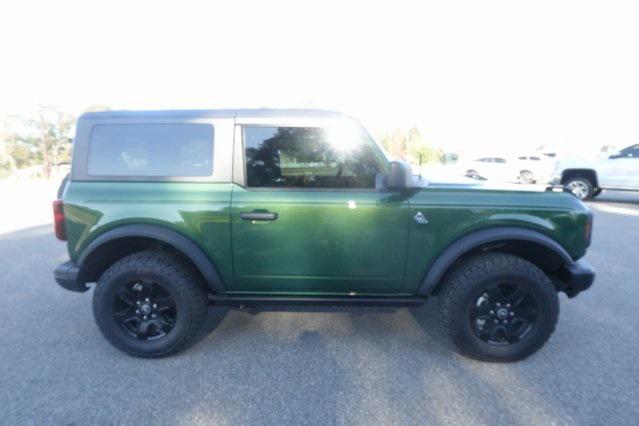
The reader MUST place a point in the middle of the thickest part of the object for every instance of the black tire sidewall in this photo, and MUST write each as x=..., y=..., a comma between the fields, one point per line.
x=547, y=316
x=103, y=311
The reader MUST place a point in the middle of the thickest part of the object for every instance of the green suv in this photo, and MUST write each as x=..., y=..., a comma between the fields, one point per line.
x=172, y=211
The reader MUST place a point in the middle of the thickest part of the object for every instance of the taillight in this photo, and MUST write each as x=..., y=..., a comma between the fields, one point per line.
x=58, y=220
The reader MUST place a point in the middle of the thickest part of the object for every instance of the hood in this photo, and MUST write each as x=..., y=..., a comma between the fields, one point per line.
x=460, y=182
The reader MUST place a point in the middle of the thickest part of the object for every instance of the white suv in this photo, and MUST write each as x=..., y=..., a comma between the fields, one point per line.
x=586, y=178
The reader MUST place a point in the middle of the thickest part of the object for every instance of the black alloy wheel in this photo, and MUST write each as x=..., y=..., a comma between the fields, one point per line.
x=504, y=314
x=145, y=310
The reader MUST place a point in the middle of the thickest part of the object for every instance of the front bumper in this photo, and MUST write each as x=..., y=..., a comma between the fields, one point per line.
x=70, y=276
x=575, y=278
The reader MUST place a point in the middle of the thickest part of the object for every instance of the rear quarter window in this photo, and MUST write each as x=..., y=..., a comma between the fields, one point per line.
x=148, y=150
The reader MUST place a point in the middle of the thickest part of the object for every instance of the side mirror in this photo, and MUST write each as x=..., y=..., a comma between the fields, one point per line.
x=400, y=176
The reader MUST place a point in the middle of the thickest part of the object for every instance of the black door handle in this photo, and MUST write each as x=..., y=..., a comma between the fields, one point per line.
x=264, y=216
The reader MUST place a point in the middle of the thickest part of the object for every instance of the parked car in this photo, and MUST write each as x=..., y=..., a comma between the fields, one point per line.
x=169, y=212
x=587, y=177
x=521, y=169
x=490, y=168
x=533, y=168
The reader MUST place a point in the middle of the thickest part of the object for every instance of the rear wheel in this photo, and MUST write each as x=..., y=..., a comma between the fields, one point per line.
x=149, y=304
x=499, y=307
x=580, y=186
x=526, y=177
x=473, y=174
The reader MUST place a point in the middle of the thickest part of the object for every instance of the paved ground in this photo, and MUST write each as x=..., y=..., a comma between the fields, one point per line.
x=337, y=365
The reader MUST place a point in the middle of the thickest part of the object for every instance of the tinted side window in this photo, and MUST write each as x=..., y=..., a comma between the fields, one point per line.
x=307, y=157
x=162, y=150
x=631, y=152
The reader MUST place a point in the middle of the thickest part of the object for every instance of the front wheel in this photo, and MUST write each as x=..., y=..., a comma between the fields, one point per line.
x=580, y=186
x=150, y=304
x=499, y=307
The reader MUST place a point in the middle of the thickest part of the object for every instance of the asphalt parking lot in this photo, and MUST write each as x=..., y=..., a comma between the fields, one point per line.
x=319, y=366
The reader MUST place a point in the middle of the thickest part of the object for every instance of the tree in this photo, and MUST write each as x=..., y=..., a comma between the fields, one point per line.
x=410, y=146
x=44, y=138
x=53, y=131
x=7, y=141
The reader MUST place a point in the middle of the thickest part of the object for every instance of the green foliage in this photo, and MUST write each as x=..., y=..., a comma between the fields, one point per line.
x=42, y=139
x=409, y=146
x=22, y=155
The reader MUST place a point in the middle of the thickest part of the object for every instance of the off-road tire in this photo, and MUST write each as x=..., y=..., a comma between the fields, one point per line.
x=480, y=272
x=174, y=275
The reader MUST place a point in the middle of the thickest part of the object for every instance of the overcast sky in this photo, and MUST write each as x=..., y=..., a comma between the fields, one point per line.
x=501, y=75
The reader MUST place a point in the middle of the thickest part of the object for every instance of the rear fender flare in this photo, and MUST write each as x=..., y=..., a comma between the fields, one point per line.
x=189, y=248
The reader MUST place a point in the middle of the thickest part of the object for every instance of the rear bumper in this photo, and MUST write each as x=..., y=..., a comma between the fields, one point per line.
x=575, y=278
x=69, y=276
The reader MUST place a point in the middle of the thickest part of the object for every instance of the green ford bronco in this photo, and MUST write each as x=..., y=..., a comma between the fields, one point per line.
x=170, y=212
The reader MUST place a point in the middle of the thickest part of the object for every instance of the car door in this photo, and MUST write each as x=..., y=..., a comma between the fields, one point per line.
x=620, y=171
x=503, y=170
x=479, y=167
x=309, y=216
x=628, y=165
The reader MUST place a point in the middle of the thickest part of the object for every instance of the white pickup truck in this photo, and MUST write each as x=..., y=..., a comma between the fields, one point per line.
x=586, y=178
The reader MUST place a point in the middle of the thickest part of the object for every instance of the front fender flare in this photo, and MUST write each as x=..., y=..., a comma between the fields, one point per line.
x=173, y=238
x=478, y=238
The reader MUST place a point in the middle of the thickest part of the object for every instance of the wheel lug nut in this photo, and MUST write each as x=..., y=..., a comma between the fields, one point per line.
x=505, y=321
x=508, y=305
x=138, y=302
x=155, y=306
x=492, y=312
x=512, y=314
x=145, y=317
x=137, y=311
x=147, y=299
x=498, y=304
